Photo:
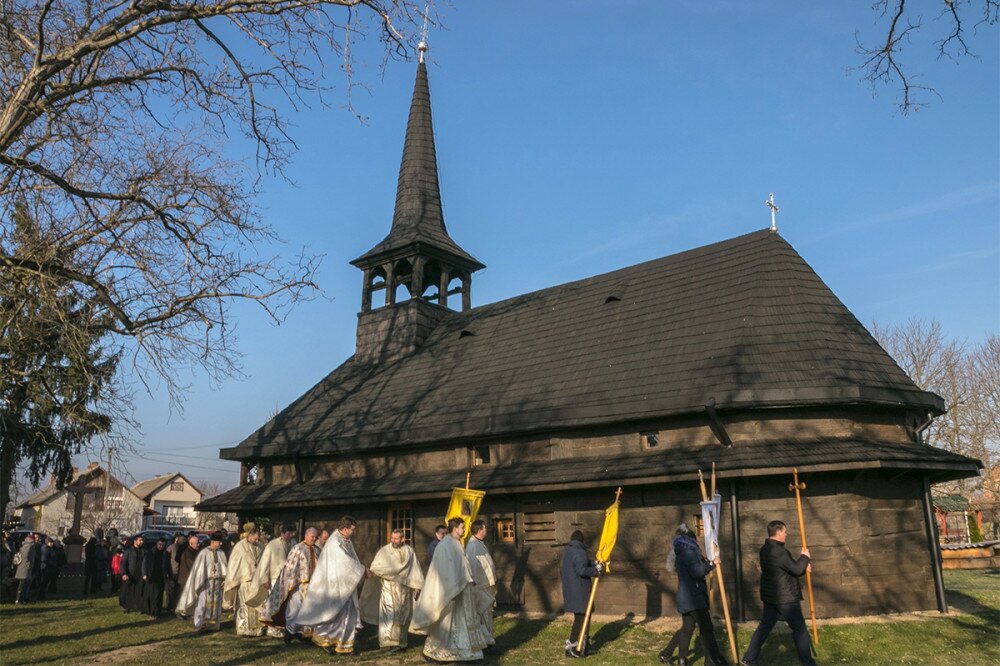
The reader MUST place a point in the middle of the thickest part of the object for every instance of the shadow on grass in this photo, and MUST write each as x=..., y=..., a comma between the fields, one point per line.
x=521, y=632
x=611, y=631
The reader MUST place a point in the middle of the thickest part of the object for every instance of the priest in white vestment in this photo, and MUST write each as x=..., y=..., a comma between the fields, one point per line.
x=289, y=590
x=387, y=598
x=484, y=574
x=446, y=609
x=331, y=606
x=201, y=599
x=241, y=591
x=269, y=567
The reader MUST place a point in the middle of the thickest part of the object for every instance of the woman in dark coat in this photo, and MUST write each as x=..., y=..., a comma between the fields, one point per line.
x=692, y=602
x=577, y=572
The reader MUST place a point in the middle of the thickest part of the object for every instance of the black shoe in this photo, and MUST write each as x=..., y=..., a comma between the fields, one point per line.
x=288, y=637
x=329, y=650
x=665, y=657
x=573, y=654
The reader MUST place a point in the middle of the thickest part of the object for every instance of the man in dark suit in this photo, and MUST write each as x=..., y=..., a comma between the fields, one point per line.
x=781, y=594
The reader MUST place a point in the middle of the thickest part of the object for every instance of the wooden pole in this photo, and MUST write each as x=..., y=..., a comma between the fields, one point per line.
x=722, y=581
x=796, y=486
x=468, y=475
x=586, y=619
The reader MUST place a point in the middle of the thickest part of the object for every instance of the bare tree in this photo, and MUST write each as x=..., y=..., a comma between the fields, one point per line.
x=967, y=382
x=882, y=65
x=115, y=118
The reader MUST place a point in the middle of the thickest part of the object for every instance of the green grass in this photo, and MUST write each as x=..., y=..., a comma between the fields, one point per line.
x=72, y=630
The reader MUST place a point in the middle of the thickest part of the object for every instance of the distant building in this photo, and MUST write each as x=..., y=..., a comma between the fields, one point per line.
x=169, y=500
x=104, y=503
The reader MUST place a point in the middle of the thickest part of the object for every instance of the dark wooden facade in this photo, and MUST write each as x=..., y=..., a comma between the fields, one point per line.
x=735, y=354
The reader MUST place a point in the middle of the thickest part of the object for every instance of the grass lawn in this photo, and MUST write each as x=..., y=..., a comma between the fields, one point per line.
x=72, y=630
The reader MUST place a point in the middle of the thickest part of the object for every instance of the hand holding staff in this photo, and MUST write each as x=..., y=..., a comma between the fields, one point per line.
x=796, y=486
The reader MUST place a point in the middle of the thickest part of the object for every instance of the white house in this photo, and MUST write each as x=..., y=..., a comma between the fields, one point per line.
x=103, y=501
x=169, y=500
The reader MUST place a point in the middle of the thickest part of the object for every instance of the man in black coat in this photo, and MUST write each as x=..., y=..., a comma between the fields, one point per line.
x=440, y=532
x=781, y=594
x=577, y=573
x=132, y=590
x=155, y=568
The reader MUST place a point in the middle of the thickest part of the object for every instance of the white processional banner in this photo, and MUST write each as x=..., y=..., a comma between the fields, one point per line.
x=710, y=512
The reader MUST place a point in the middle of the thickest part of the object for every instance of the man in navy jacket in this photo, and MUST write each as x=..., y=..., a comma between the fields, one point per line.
x=577, y=572
x=781, y=594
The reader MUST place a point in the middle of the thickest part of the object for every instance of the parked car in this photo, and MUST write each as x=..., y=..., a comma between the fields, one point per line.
x=150, y=537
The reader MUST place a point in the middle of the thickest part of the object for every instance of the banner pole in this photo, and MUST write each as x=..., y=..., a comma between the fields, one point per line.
x=796, y=486
x=586, y=618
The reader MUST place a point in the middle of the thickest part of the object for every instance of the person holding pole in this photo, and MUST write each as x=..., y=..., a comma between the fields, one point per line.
x=692, y=601
x=577, y=572
x=781, y=593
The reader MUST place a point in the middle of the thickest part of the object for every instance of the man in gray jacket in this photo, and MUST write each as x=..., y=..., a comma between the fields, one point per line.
x=28, y=555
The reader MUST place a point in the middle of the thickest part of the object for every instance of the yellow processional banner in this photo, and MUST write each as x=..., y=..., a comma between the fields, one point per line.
x=609, y=534
x=465, y=504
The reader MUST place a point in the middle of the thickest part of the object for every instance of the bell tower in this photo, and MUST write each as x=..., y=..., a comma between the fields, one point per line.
x=411, y=275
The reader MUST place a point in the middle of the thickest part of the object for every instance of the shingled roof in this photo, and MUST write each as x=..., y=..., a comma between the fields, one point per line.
x=418, y=217
x=676, y=464
x=745, y=322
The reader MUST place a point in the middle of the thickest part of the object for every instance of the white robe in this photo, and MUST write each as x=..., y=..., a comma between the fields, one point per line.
x=202, y=596
x=268, y=569
x=387, y=597
x=241, y=592
x=484, y=574
x=446, y=610
x=331, y=603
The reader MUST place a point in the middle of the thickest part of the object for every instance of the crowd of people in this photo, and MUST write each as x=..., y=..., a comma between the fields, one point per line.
x=318, y=590
x=35, y=566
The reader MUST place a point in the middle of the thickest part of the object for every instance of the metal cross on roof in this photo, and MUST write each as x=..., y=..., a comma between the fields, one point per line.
x=769, y=202
x=422, y=44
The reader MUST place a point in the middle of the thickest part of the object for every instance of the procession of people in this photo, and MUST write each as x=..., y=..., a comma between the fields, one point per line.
x=324, y=594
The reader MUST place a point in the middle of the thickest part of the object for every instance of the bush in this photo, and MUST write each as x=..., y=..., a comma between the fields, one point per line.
x=975, y=536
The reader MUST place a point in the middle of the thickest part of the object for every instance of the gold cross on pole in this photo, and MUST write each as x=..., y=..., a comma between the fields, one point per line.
x=769, y=202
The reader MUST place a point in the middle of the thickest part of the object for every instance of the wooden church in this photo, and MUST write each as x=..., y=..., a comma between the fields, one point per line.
x=735, y=353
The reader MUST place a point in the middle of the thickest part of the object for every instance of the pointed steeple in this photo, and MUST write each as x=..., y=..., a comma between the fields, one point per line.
x=418, y=216
x=418, y=253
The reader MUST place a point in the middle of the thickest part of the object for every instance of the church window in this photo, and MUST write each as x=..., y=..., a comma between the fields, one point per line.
x=400, y=518
x=481, y=455
x=650, y=440
x=505, y=530
x=177, y=486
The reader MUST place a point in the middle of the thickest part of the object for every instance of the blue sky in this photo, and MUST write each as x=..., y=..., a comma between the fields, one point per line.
x=576, y=138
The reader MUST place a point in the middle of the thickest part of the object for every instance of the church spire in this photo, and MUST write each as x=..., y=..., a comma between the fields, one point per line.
x=418, y=253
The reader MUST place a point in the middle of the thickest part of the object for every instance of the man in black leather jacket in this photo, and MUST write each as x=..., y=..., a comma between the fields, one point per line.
x=781, y=594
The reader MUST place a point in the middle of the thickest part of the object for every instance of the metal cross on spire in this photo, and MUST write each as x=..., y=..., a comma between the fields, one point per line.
x=422, y=44
x=769, y=202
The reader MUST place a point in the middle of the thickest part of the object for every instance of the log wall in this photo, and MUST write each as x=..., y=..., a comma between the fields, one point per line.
x=865, y=530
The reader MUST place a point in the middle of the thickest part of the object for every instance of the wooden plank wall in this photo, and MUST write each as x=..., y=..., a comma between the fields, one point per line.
x=865, y=530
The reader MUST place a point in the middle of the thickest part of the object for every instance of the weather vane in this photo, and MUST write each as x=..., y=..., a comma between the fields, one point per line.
x=769, y=202
x=422, y=44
